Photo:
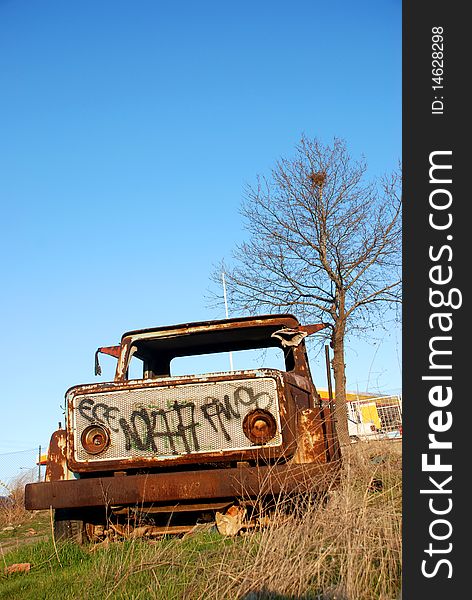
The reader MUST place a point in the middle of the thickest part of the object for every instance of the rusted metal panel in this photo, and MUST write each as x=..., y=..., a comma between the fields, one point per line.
x=171, y=487
x=149, y=531
x=181, y=507
x=292, y=337
x=285, y=420
x=111, y=351
x=56, y=466
x=165, y=421
x=287, y=320
x=238, y=328
x=311, y=437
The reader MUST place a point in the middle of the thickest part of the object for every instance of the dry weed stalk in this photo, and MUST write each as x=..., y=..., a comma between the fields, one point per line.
x=348, y=548
x=343, y=546
x=12, y=510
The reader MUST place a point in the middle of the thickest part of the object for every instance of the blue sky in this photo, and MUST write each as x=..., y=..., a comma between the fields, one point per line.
x=127, y=133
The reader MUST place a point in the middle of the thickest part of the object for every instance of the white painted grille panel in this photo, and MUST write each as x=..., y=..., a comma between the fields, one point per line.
x=161, y=423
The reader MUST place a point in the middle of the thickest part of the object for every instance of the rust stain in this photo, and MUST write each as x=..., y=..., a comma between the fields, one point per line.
x=247, y=482
x=56, y=467
x=311, y=438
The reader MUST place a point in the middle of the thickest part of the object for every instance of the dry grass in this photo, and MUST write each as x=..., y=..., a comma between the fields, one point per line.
x=347, y=547
x=12, y=510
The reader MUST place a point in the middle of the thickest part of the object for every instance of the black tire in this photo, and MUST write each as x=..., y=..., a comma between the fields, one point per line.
x=67, y=527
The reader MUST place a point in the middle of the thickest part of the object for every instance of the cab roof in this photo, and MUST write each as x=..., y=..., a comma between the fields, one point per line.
x=274, y=320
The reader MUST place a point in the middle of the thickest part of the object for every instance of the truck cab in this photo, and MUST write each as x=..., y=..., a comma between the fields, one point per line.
x=156, y=452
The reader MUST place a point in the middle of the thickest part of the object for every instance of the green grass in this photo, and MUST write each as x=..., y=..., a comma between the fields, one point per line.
x=169, y=569
x=32, y=526
x=47, y=578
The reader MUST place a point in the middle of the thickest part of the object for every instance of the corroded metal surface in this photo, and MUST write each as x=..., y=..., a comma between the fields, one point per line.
x=148, y=459
x=311, y=437
x=238, y=330
x=296, y=447
x=111, y=351
x=56, y=466
x=172, y=421
x=241, y=482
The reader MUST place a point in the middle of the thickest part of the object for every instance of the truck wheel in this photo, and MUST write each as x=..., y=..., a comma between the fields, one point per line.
x=67, y=527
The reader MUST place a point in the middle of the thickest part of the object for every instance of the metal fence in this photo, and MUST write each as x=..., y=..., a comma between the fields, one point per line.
x=21, y=467
x=376, y=418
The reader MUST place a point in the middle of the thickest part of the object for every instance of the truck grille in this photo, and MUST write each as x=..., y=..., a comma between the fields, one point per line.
x=162, y=422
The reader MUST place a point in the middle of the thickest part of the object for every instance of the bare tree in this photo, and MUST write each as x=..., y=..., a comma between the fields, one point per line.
x=325, y=244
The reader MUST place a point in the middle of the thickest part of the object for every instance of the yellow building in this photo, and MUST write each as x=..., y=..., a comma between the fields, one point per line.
x=372, y=416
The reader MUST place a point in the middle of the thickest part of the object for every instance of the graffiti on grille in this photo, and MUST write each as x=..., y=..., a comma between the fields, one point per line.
x=178, y=425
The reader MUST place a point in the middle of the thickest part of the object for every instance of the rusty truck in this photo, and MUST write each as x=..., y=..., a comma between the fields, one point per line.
x=155, y=453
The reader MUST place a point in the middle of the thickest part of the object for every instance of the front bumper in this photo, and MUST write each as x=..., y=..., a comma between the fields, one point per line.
x=240, y=482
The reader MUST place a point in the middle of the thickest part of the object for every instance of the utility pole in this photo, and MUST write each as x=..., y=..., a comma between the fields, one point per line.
x=226, y=309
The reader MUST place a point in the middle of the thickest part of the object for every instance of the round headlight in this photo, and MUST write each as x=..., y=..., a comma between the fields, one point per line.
x=95, y=439
x=259, y=426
